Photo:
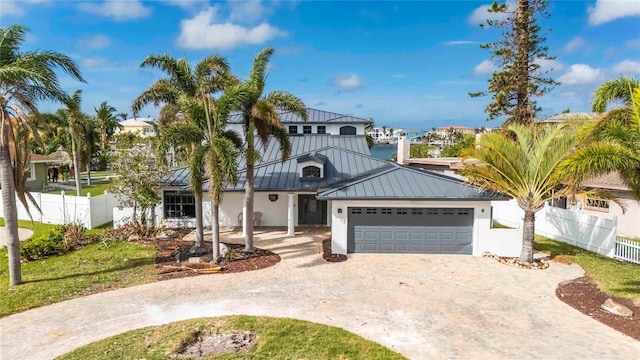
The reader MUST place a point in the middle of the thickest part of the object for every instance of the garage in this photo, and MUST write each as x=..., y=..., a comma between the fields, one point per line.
x=410, y=230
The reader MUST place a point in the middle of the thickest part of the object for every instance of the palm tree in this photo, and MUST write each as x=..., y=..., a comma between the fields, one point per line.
x=106, y=122
x=75, y=121
x=185, y=84
x=613, y=142
x=123, y=116
x=523, y=162
x=25, y=79
x=260, y=115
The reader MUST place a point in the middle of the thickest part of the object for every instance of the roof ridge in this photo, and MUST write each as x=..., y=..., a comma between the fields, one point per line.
x=349, y=181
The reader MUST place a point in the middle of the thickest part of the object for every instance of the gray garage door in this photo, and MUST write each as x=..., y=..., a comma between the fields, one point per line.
x=410, y=230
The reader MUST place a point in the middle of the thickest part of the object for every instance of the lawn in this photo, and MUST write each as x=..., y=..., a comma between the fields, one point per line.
x=98, y=187
x=94, y=268
x=614, y=277
x=277, y=339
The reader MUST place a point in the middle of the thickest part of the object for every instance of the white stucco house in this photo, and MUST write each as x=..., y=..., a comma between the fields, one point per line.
x=371, y=205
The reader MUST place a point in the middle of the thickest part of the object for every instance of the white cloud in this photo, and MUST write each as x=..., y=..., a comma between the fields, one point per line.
x=481, y=14
x=549, y=65
x=348, y=82
x=485, y=67
x=627, y=67
x=605, y=11
x=119, y=10
x=186, y=4
x=94, y=63
x=205, y=31
x=461, y=42
x=10, y=8
x=633, y=44
x=573, y=45
x=96, y=42
x=581, y=74
x=247, y=12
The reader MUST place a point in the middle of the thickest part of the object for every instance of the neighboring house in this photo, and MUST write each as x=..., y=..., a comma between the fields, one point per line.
x=559, y=118
x=628, y=222
x=37, y=171
x=371, y=205
x=446, y=130
x=141, y=126
x=414, y=136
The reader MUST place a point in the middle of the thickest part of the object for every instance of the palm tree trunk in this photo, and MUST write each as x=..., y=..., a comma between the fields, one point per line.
x=199, y=223
x=89, y=174
x=104, y=140
x=10, y=214
x=528, y=234
x=76, y=168
x=248, y=203
x=215, y=228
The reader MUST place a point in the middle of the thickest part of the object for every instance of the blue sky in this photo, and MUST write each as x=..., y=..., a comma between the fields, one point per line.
x=405, y=64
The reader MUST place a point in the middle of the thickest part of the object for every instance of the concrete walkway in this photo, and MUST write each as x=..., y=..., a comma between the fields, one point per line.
x=423, y=306
x=23, y=234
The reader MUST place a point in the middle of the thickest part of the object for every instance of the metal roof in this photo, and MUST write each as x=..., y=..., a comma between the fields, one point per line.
x=284, y=176
x=303, y=144
x=314, y=116
x=395, y=182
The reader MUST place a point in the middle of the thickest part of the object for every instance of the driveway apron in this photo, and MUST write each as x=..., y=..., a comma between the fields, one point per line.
x=423, y=306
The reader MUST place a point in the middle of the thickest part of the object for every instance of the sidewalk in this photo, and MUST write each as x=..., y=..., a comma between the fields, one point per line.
x=23, y=234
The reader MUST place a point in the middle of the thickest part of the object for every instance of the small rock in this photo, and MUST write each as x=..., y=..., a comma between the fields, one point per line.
x=224, y=250
x=616, y=309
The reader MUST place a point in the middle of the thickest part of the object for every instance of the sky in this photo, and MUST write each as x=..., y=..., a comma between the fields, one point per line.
x=407, y=64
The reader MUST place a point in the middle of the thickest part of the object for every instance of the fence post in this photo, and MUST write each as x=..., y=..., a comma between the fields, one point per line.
x=64, y=207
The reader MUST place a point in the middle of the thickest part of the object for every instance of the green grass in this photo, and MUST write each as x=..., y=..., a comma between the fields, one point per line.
x=98, y=187
x=37, y=227
x=614, y=277
x=277, y=339
x=94, y=268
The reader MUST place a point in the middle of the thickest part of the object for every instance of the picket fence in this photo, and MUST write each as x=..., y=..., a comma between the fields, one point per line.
x=89, y=211
x=627, y=249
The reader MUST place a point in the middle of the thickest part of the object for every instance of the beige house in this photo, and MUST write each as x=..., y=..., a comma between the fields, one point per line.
x=141, y=126
x=445, y=130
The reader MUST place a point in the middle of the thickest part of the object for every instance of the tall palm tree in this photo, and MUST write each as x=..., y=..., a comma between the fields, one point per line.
x=187, y=84
x=25, y=79
x=523, y=162
x=106, y=122
x=123, y=116
x=75, y=121
x=261, y=116
x=612, y=143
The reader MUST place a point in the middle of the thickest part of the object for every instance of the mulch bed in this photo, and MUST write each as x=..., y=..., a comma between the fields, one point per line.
x=328, y=256
x=583, y=295
x=168, y=267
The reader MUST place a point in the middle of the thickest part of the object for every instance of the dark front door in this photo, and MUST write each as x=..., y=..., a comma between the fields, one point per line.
x=311, y=211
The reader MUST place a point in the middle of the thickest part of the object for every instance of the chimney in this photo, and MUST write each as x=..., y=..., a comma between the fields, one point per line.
x=403, y=150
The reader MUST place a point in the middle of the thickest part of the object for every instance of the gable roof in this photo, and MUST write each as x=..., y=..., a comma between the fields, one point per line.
x=271, y=153
x=314, y=116
x=395, y=182
x=137, y=121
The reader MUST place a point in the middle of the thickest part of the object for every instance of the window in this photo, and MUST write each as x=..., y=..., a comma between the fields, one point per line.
x=179, y=205
x=372, y=211
x=416, y=211
x=322, y=129
x=355, y=210
x=347, y=130
x=597, y=204
x=386, y=211
x=401, y=211
x=306, y=129
x=293, y=129
x=311, y=172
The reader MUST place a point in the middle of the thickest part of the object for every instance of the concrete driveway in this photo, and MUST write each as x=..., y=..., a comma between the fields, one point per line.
x=423, y=306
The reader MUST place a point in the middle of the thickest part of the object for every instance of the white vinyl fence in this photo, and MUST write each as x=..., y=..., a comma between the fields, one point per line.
x=589, y=232
x=627, y=249
x=89, y=211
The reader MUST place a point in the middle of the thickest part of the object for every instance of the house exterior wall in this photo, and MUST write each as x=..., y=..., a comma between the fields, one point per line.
x=274, y=213
x=40, y=178
x=331, y=129
x=502, y=243
x=628, y=222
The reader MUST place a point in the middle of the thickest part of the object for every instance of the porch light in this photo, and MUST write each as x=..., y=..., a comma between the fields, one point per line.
x=273, y=197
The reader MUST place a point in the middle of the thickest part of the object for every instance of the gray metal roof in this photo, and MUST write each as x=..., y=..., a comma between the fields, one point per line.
x=394, y=182
x=283, y=176
x=314, y=116
x=303, y=144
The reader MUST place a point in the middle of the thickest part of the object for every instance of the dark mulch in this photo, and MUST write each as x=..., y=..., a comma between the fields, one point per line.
x=328, y=256
x=170, y=265
x=583, y=295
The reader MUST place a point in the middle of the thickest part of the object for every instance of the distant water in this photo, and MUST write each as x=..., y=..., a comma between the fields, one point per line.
x=384, y=152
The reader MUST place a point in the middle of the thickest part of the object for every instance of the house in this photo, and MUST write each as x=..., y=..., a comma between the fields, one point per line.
x=562, y=117
x=444, y=131
x=37, y=175
x=371, y=205
x=141, y=126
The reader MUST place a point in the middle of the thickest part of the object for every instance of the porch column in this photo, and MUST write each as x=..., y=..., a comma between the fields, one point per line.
x=290, y=217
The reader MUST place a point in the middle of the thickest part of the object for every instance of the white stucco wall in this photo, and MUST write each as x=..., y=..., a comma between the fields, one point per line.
x=274, y=213
x=484, y=238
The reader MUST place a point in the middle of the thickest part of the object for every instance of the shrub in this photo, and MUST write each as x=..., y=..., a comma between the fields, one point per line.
x=58, y=241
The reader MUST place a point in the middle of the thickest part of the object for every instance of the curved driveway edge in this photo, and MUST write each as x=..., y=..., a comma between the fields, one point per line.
x=423, y=306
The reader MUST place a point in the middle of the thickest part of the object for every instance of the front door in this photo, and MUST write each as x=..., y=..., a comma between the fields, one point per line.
x=311, y=211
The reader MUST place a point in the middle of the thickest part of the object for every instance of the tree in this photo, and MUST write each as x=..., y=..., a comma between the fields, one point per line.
x=25, y=79
x=123, y=116
x=107, y=123
x=460, y=148
x=187, y=84
x=138, y=178
x=520, y=78
x=368, y=128
x=612, y=143
x=75, y=122
x=523, y=162
x=260, y=114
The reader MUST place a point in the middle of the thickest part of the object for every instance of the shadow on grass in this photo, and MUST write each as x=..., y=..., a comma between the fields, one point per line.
x=632, y=287
x=132, y=263
x=554, y=248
